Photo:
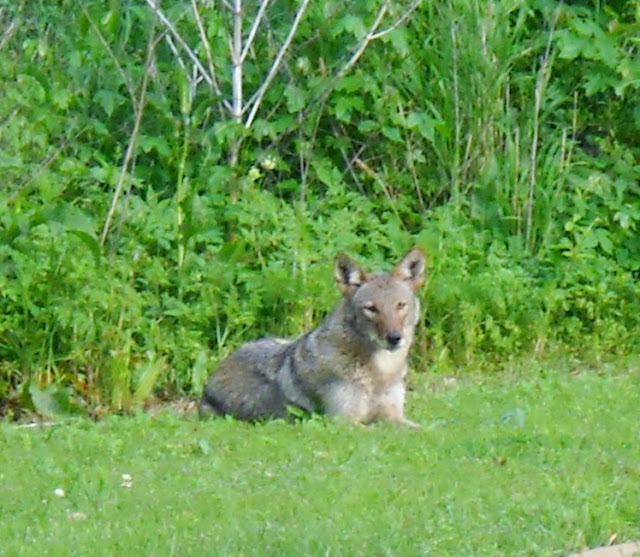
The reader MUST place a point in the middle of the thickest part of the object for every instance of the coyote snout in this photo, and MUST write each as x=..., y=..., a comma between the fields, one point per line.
x=353, y=365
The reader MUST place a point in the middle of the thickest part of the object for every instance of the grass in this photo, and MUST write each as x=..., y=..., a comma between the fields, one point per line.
x=543, y=463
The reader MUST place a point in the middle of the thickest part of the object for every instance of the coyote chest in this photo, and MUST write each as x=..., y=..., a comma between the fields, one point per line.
x=382, y=368
x=390, y=365
x=354, y=365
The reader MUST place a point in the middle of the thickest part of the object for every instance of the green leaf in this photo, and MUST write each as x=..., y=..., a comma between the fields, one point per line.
x=367, y=126
x=597, y=82
x=352, y=24
x=200, y=371
x=425, y=125
x=623, y=219
x=32, y=87
x=296, y=98
x=571, y=45
x=108, y=100
x=604, y=239
x=147, y=378
x=296, y=412
x=400, y=40
x=588, y=240
x=263, y=128
x=155, y=143
x=62, y=98
x=353, y=83
x=392, y=133
x=91, y=242
x=345, y=106
x=327, y=173
x=52, y=401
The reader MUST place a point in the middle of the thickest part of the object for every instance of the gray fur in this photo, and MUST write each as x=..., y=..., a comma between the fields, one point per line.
x=353, y=365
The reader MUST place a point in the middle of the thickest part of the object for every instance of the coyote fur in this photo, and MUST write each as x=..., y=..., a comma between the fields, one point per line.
x=353, y=365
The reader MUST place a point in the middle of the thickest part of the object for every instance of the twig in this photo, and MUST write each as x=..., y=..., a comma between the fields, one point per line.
x=350, y=63
x=236, y=58
x=541, y=81
x=276, y=64
x=375, y=176
x=132, y=140
x=207, y=48
x=174, y=49
x=7, y=33
x=455, y=174
x=38, y=424
x=109, y=50
x=349, y=164
x=194, y=58
x=254, y=29
x=398, y=22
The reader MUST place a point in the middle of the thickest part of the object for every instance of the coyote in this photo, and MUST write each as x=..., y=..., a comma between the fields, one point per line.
x=353, y=365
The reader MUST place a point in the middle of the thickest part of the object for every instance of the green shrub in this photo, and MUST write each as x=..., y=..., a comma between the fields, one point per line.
x=501, y=140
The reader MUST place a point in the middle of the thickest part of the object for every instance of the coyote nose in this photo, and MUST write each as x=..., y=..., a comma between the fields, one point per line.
x=393, y=340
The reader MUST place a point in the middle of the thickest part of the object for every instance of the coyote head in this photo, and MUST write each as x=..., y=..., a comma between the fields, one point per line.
x=384, y=306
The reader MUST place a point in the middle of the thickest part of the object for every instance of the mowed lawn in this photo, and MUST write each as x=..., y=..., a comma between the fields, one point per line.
x=537, y=463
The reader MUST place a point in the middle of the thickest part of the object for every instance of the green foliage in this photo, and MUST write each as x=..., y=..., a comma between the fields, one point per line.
x=500, y=136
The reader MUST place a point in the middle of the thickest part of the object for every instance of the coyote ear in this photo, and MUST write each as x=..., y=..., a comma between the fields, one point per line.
x=411, y=268
x=348, y=274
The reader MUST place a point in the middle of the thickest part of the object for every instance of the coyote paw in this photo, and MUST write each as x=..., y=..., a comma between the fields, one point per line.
x=408, y=423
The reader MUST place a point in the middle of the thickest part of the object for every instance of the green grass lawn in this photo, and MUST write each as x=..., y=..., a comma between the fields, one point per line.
x=543, y=464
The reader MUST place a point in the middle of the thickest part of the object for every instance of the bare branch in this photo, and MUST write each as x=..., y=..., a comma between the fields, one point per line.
x=322, y=97
x=350, y=63
x=236, y=58
x=541, y=83
x=133, y=140
x=254, y=29
x=376, y=177
x=8, y=32
x=194, y=58
x=207, y=48
x=107, y=47
x=174, y=50
x=361, y=47
x=276, y=64
x=398, y=21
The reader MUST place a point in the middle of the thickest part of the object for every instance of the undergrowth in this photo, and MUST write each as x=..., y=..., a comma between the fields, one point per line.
x=144, y=233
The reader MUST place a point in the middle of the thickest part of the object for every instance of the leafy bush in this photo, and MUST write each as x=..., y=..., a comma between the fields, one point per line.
x=146, y=229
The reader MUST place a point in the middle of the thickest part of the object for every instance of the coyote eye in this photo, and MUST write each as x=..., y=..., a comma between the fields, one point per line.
x=401, y=305
x=370, y=309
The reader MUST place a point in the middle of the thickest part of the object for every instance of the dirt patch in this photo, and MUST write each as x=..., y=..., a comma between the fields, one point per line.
x=154, y=406
x=182, y=406
x=621, y=550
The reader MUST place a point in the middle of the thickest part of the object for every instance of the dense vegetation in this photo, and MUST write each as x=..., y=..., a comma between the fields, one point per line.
x=154, y=214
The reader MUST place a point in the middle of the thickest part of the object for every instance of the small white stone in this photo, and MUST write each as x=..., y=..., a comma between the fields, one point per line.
x=77, y=515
